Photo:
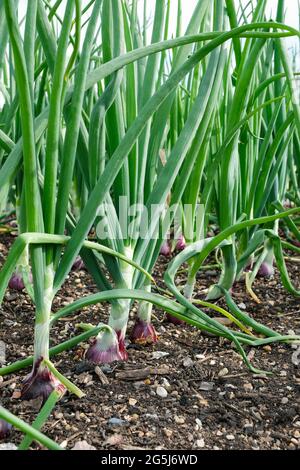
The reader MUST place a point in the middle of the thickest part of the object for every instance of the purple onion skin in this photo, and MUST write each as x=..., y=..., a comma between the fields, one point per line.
x=174, y=320
x=97, y=356
x=122, y=346
x=116, y=352
x=78, y=264
x=181, y=243
x=143, y=333
x=266, y=270
x=39, y=383
x=16, y=282
x=165, y=249
x=5, y=429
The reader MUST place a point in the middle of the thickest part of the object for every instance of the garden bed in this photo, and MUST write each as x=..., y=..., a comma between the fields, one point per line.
x=212, y=401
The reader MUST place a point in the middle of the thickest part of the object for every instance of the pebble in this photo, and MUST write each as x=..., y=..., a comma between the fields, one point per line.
x=161, y=392
x=296, y=358
x=267, y=348
x=168, y=432
x=242, y=306
x=200, y=356
x=152, y=416
x=83, y=445
x=248, y=428
x=248, y=387
x=188, y=362
x=206, y=386
x=199, y=423
x=132, y=401
x=230, y=386
x=116, y=422
x=295, y=441
x=159, y=354
x=2, y=352
x=285, y=400
x=230, y=437
x=297, y=434
x=179, y=419
x=8, y=446
x=135, y=417
x=166, y=384
x=223, y=372
x=200, y=443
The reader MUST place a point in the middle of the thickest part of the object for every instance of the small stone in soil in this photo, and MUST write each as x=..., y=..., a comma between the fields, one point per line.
x=132, y=401
x=248, y=428
x=166, y=384
x=188, y=362
x=248, y=387
x=285, y=400
x=2, y=352
x=179, y=419
x=206, y=386
x=168, y=432
x=8, y=446
x=199, y=423
x=152, y=416
x=230, y=437
x=200, y=443
x=116, y=422
x=159, y=354
x=242, y=306
x=223, y=372
x=83, y=445
x=161, y=392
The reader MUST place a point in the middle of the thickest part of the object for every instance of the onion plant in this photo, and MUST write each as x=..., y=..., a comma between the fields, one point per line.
x=103, y=134
x=247, y=164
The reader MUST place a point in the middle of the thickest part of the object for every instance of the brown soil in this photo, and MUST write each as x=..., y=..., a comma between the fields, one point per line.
x=238, y=411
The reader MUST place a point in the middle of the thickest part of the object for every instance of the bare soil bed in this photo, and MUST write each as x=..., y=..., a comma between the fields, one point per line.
x=212, y=401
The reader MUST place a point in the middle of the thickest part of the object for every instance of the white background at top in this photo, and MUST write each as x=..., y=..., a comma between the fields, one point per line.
x=292, y=14
x=188, y=6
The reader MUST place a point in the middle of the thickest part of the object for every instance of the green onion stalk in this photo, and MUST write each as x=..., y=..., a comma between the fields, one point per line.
x=32, y=432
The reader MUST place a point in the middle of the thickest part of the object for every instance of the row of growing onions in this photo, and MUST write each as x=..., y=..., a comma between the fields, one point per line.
x=106, y=139
x=254, y=155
